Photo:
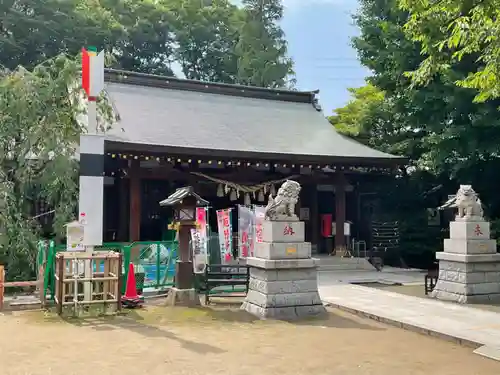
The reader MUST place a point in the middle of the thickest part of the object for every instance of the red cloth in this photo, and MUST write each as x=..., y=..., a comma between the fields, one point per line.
x=326, y=225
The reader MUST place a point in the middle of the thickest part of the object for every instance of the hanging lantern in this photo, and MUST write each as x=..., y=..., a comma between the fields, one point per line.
x=237, y=194
x=272, y=190
x=226, y=189
x=265, y=189
x=233, y=195
x=261, y=196
x=247, y=201
x=253, y=195
x=220, y=191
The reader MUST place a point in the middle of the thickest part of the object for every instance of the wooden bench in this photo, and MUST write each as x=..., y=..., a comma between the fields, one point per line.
x=224, y=275
x=431, y=279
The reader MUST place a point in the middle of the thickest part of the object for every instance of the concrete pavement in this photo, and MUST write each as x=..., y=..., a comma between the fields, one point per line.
x=388, y=275
x=463, y=324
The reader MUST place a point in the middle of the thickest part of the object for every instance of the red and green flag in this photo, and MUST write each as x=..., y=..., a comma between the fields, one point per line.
x=92, y=71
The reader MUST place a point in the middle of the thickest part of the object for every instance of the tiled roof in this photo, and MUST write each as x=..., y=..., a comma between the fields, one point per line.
x=227, y=119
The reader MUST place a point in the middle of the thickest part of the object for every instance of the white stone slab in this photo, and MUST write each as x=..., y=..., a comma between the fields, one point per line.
x=282, y=264
x=283, y=274
x=465, y=258
x=491, y=352
x=283, y=250
x=474, y=246
x=283, y=231
x=285, y=313
x=283, y=287
x=470, y=230
x=283, y=300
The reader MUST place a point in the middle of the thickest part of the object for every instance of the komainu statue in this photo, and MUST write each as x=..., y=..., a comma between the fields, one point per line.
x=283, y=206
x=467, y=202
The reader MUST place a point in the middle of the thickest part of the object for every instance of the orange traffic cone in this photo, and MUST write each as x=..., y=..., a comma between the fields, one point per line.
x=131, y=299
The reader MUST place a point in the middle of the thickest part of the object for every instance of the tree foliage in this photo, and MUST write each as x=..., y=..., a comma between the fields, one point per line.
x=450, y=31
x=211, y=40
x=447, y=136
x=446, y=132
x=262, y=48
x=206, y=36
x=39, y=128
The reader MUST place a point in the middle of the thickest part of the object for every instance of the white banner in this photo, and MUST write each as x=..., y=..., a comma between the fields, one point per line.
x=246, y=226
x=225, y=235
x=259, y=214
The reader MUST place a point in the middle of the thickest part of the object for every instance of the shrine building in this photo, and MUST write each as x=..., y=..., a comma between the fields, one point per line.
x=234, y=144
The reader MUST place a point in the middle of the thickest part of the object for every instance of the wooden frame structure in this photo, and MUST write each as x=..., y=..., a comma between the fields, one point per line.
x=105, y=285
x=21, y=284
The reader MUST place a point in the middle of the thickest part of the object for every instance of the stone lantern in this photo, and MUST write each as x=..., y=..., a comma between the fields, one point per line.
x=184, y=202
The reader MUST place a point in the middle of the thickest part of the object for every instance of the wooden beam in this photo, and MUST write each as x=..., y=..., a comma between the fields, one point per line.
x=135, y=202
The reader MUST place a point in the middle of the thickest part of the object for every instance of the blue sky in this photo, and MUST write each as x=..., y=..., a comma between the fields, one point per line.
x=319, y=33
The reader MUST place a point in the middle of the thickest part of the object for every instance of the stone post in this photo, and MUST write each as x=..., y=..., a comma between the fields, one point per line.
x=469, y=266
x=283, y=276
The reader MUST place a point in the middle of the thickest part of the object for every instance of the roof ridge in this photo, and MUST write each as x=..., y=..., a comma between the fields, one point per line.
x=153, y=80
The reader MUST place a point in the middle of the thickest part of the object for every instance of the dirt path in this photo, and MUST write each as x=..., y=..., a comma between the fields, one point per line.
x=165, y=341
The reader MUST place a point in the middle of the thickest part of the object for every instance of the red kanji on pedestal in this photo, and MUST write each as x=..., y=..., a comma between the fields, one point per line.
x=288, y=231
x=477, y=230
x=131, y=299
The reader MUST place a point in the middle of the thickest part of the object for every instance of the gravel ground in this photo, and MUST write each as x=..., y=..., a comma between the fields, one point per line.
x=159, y=340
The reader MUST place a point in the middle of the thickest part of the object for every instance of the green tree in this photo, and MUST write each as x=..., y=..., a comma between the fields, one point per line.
x=137, y=34
x=205, y=37
x=446, y=132
x=32, y=31
x=262, y=47
x=366, y=117
x=447, y=137
x=450, y=31
x=144, y=41
x=37, y=147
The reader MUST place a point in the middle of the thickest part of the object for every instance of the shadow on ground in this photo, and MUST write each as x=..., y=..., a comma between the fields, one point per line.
x=132, y=322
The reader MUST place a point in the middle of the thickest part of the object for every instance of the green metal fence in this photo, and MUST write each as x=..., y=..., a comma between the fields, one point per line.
x=154, y=262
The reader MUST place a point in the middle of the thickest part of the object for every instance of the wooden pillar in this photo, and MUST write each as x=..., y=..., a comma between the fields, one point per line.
x=135, y=202
x=124, y=211
x=340, y=218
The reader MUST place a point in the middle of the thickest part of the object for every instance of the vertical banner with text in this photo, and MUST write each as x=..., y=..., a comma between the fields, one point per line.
x=246, y=226
x=259, y=214
x=199, y=240
x=225, y=235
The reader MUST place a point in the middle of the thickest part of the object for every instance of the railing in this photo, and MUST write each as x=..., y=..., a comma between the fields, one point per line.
x=154, y=262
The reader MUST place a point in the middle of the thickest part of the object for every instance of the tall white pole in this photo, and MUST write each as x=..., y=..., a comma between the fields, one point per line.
x=91, y=163
x=91, y=196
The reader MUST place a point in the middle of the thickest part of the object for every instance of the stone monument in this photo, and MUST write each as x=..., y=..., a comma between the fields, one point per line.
x=283, y=276
x=469, y=266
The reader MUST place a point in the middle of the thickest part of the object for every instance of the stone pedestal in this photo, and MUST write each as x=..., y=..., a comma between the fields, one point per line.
x=182, y=297
x=469, y=266
x=283, y=276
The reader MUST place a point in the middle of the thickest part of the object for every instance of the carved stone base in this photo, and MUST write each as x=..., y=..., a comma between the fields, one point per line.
x=468, y=278
x=285, y=313
x=182, y=297
x=276, y=292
